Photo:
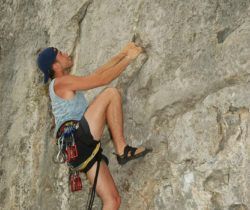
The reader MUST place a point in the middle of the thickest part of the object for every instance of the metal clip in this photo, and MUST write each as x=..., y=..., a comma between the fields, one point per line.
x=60, y=157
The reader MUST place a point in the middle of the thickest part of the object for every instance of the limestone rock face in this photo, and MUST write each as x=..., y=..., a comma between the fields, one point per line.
x=187, y=97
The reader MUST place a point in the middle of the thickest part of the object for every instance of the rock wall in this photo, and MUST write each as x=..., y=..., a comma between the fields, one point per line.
x=187, y=97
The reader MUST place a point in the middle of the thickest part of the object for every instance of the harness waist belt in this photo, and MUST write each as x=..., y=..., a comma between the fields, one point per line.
x=85, y=163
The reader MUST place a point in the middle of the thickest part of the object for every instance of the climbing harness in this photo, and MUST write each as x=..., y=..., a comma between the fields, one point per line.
x=67, y=152
x=86, y=162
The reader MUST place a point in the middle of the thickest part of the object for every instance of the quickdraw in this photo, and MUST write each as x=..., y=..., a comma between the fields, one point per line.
x=75, y=181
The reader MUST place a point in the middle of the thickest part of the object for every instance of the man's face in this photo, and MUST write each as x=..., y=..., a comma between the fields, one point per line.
x=64, y=59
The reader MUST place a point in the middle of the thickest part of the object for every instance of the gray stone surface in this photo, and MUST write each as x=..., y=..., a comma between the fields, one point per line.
x=187, y=97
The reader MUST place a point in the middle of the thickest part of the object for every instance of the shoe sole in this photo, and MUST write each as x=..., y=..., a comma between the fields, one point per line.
x=141, y=154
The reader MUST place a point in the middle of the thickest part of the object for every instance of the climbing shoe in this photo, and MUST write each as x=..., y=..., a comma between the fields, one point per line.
x=130, y=154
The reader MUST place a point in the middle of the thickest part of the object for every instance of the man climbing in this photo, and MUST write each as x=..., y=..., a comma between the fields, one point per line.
x=70, y=108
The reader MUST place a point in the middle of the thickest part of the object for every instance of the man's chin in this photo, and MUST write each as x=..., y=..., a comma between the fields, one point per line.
x=71, y=64
x=67, y=71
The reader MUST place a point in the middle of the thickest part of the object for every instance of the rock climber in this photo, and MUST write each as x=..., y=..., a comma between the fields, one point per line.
x=70, y=105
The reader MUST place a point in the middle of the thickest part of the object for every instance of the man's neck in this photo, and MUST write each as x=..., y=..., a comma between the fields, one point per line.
x=60, y=73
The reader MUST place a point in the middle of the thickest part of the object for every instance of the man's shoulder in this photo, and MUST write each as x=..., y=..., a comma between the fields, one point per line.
x=61, y=86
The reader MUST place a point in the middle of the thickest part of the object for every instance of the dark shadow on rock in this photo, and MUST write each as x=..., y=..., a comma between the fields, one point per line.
x=223, y=34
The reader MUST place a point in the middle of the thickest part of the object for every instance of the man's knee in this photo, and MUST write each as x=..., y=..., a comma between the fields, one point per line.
x=116, y=201
x=112, y=91
x=113, y=202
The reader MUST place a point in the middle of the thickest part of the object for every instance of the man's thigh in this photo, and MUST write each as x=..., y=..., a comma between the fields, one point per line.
x=96, y=114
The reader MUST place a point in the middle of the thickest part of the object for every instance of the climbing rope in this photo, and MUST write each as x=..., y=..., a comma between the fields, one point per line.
x=92, y=194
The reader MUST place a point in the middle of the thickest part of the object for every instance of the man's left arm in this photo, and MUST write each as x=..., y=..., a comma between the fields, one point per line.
x=112, y=62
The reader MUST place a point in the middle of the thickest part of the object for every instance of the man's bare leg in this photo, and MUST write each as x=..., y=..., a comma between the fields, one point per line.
x=107, y=106
x=105, y=187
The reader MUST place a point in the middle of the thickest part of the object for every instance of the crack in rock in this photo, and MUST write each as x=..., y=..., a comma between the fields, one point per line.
x=239, y=206
x=126, y=80
x=223, y=34
x=77, y=19
x=227, y=124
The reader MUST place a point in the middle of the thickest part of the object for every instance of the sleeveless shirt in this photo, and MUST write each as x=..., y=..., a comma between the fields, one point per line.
x=67, y=109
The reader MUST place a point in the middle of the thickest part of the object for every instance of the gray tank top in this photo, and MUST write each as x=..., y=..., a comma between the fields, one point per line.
x=67, y=109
